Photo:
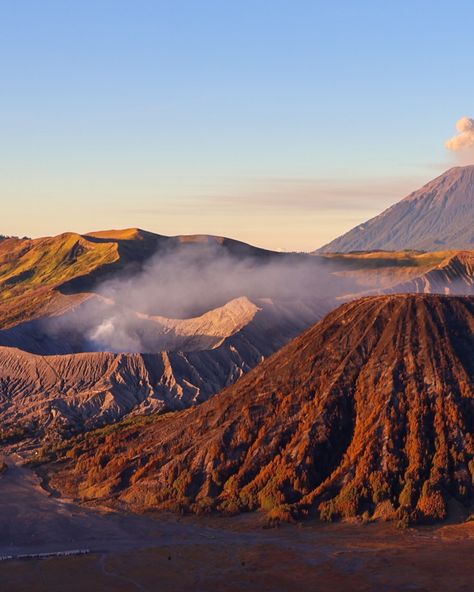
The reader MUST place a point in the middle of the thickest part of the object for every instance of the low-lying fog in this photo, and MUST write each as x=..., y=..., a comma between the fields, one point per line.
x=138, y=311
x=184, y=282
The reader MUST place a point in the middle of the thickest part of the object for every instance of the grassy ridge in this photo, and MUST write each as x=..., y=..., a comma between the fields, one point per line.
x=31, y=271
x=28, y=264
x=382, y=259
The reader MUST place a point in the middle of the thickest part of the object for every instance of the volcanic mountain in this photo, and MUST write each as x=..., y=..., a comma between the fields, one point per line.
x=51, y=275
x=437, y=217
x=72, y=357
x=370, y=412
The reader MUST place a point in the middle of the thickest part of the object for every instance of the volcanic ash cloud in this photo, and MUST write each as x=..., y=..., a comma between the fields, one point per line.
x=464, y=140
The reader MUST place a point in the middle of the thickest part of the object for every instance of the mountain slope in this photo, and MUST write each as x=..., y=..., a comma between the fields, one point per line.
x=413, y=272
x=369, y=411
x=455, y=275
x=439, y=216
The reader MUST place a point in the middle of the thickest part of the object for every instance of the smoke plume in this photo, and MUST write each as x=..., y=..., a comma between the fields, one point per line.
x=134, y=311
x=464, y=140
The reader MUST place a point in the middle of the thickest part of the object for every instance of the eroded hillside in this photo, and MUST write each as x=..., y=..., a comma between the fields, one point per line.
x=370, y=412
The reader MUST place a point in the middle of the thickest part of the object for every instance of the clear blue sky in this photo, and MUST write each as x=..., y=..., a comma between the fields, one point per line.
x=282, y=123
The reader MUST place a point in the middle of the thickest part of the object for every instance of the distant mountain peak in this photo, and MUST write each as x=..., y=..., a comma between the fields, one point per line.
x=439, y=216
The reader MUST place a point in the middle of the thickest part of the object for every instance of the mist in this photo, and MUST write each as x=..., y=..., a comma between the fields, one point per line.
x=190, y=297
x=131, y=311
x=188, y=280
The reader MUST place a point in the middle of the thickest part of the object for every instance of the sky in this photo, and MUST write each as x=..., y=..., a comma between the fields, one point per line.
x=282, y=123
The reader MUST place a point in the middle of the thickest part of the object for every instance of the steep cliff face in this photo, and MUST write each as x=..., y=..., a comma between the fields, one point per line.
x=437, y=217
x=370, y=411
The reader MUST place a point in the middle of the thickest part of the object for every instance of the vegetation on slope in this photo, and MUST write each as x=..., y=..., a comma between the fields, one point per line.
x=32, y=270
x=378, y=259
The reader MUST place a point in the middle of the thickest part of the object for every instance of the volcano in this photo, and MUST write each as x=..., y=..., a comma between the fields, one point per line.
x=437, y=217
x=368, y=413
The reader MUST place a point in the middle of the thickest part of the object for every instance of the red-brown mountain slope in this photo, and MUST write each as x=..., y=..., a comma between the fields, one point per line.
x=369, y=411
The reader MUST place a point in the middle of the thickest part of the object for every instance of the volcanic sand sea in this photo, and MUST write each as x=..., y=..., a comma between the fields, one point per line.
x=169, y=553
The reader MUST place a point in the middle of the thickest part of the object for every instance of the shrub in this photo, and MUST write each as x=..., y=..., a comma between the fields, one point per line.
x=407, y=494
x=471, y=469
x=204, y=505
x=432, y=503
x=230, y=507
x=328, y=511
x=182, y=482
x=282, y=513
x=379, y=487
x=349, y=500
